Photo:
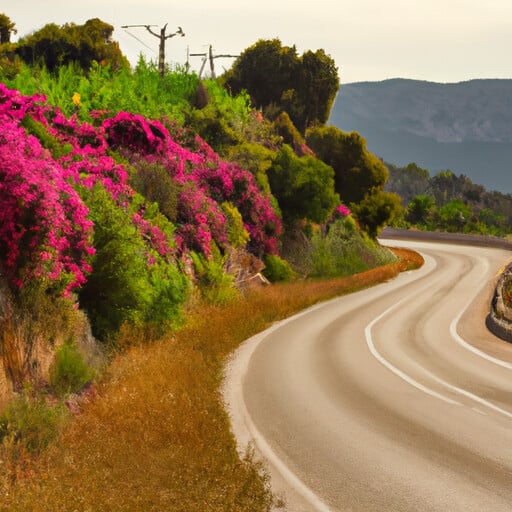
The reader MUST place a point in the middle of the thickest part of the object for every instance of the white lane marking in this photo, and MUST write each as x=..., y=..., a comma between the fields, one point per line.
x=399, y=373
x=463, y=343
x=469, y=395
x=453, y=331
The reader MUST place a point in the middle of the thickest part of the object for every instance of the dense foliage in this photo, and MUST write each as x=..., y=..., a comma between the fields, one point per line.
x=359, y=176
x=449, y=202
x=55, y=46
x=303, y=186
x=164, y=187
x=74, y=211
x=278, y=80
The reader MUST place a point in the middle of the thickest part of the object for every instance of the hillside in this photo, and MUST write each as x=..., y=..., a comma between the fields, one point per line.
x=465, y=127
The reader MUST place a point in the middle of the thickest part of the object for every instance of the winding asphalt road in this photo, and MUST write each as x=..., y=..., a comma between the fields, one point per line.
x=395, y=398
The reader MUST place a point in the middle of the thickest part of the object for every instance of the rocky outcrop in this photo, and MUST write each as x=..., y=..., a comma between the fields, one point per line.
x=246, y=269
x=499, y=320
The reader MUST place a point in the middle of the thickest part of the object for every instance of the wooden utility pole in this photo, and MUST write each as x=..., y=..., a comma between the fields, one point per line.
x=163, y=37
x=209, y=56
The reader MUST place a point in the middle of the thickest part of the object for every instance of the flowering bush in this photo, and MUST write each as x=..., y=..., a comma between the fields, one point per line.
x=134, y=132
x=207, y=181
x=48, y=162
x=342, y=211
x=44, y=231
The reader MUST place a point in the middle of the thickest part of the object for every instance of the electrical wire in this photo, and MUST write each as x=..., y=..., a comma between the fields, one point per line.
x=139, y=40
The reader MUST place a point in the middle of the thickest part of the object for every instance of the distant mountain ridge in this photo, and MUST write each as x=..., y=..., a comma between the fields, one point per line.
x=465, y=127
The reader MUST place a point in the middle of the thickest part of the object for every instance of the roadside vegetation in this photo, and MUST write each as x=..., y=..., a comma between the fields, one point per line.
x=156, y=435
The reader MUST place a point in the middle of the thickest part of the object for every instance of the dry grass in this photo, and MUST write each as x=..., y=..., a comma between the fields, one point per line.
x=156, y=437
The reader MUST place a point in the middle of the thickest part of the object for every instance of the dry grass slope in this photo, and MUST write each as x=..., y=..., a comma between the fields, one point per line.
x=156, y=437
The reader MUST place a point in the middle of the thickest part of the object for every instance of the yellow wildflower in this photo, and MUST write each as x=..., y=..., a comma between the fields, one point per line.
x=76, y=99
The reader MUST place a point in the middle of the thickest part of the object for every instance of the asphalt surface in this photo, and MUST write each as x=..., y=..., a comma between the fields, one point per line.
x=396, y=398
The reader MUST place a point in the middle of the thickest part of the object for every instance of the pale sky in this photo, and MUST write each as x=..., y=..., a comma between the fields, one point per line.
x=434, y=40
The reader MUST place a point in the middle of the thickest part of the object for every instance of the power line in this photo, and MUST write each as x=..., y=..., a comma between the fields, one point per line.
x=138, y=39
x=162, y=37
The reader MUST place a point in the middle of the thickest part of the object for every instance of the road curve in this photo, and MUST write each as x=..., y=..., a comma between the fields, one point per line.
x=395, y=398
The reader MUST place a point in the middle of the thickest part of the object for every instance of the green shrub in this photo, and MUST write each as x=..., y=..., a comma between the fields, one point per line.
x=238, y=236
x=69, y=371
x=276, y=269
x=142, y=91
x=255, y=158
x=124, y=286
x=153, y=182
x=338, y=249
x=30, y=422
x=343, y=250
x=215, y=286
x=47, y=140
x=303, y=186
x=213, y=128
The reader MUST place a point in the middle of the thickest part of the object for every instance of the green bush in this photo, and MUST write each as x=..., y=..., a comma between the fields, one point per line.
x=338, y=249
x=276, y=269
x=343, y=250
x=47, y=140
x=30, y=422
x=124, y=286
x=303, y=186
x=142, y=91
x=215, y=286
x=238, y=236
x=152, y=181
x=69, y=372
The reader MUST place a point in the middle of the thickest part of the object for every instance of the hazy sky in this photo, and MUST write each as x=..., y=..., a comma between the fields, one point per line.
x=435, y=40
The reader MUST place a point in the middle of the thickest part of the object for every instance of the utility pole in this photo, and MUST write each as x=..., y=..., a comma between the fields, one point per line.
x=209, y=56
x=162, y=37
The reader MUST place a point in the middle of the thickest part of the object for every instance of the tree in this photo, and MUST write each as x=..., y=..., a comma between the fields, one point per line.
x=454, y=215
x=318, y=88
x=266, y=70
x=357, y=171
x=303, y=186
x=420, y=209
x=55, y=46
x=408, y=182
x=445, y=186
x=7, y=27
x=377, y=210
x=279, y=80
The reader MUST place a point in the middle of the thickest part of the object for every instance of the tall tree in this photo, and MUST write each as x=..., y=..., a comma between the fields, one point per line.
x=303, y=186
x=318, y=87
x=376, y=210
x=7, y=27
x=357, y=171
x=279, y=80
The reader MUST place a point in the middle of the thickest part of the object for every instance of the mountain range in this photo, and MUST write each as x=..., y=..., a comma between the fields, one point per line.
x=464, y=127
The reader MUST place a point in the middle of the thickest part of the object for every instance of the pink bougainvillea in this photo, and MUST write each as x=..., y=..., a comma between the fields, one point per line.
x=157, y=240
x=200, y=220
x=44, y=231
x=204, y=171
x=342, y=210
